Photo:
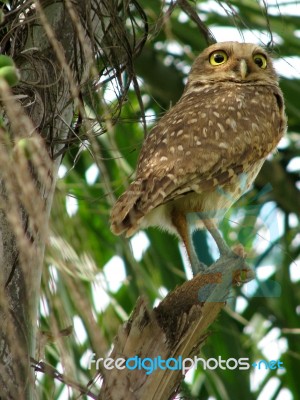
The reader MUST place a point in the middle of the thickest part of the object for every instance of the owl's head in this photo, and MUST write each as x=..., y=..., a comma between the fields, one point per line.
x=234, y=62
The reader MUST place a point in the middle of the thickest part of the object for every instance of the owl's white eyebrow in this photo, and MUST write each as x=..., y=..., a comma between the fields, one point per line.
x=259, y=51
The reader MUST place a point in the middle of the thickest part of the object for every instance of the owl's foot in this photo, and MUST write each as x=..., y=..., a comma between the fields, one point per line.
x=198, y=267
x=239, y=251
x=229, y=270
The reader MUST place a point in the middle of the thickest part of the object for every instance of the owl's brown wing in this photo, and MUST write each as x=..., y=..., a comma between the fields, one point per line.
x=159, y=188
x=198, y=145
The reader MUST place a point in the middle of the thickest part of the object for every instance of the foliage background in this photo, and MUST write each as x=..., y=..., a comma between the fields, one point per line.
x=92, y=279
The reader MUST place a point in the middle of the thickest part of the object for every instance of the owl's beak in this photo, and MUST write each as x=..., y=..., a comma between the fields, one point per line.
x=243, y=68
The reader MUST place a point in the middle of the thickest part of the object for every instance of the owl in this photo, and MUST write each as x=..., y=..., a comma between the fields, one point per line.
x=206, y=151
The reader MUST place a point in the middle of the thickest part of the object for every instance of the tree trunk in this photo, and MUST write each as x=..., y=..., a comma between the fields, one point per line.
x=29, y=167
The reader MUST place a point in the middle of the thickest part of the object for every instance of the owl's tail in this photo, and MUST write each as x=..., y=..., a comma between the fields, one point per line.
x=125, y=216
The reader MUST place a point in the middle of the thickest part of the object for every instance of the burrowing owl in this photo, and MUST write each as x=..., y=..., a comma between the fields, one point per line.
x=206, y=151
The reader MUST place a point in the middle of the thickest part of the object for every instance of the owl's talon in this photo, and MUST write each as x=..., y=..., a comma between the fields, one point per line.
x=239, y=250
x=199, y=268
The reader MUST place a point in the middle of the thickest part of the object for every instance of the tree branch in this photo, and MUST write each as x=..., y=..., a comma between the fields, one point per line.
x=176, y=329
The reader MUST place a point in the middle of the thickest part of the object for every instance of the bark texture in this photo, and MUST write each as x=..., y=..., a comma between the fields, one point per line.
x=36, y=133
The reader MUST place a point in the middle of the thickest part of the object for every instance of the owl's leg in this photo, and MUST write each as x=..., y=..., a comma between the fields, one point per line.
x=220, y=242
x=228, y=257
x=181, y=224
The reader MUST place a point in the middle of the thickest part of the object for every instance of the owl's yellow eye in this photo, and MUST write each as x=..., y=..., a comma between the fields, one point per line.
x=260, y=60
x=218, y=57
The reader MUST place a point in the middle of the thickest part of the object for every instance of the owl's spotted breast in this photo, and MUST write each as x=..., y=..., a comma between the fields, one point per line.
x=213, y=144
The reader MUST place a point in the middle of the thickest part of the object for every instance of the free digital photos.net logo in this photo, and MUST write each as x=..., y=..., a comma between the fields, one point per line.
x=150, y=365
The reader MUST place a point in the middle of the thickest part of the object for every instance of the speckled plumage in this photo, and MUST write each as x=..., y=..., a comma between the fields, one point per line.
x=205, y=152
